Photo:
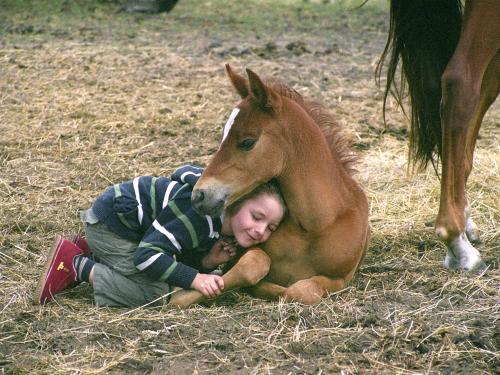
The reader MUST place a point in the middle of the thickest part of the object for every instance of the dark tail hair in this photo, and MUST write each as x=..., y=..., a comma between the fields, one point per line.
x=423, y=34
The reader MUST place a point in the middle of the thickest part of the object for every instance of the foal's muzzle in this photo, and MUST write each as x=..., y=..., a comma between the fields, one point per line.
x=207, y=201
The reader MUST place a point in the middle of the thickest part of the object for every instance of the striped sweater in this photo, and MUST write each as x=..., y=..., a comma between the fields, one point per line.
x=156, y=213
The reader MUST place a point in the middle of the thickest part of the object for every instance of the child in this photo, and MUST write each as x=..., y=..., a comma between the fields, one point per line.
x=144, y=237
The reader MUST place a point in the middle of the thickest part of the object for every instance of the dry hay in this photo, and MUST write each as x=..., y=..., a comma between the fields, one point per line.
x=86, y=108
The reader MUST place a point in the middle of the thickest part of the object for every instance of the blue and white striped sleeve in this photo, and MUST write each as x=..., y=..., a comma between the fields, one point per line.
x=178, y=228
x=187, y=174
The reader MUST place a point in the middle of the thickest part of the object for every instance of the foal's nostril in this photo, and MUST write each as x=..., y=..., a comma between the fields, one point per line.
x=206, y=202
x=198, y=195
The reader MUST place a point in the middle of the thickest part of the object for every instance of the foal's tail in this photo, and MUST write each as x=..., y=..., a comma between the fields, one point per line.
x=423, y=34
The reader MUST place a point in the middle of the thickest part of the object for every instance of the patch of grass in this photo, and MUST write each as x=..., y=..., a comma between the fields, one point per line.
x=260, y=17
x=256, y=16
x=55, y=12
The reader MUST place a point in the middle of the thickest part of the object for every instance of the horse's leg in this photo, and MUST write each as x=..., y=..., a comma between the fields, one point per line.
x=308, y=291
x=311, y=291
x=267, y=290
x=461, y=85
x=489, y=91
x=248, y=271
x=471, y=229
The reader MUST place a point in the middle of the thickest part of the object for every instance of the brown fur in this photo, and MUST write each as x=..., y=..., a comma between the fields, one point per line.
x=339, y=141
x=450, y=64
x=321, y=243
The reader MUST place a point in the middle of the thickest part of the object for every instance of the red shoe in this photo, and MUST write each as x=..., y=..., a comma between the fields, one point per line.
x=81, y=242
x=59, y=272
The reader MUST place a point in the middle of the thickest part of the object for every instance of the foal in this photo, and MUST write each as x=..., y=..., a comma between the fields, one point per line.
x=274, y=133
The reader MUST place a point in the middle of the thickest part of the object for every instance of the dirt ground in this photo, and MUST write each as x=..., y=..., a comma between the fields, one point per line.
x=91, y=95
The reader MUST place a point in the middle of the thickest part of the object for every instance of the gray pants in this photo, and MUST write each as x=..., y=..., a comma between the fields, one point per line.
x=116, y=280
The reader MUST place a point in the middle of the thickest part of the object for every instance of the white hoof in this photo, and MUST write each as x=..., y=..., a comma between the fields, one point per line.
x=450, y=261
x=462, y=255
x=472, y=231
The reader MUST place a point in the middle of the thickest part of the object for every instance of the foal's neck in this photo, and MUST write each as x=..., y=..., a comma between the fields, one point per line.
x=314, y=182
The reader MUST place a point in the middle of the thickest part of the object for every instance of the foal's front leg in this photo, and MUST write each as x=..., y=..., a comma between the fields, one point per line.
x=308, y=291
x=311, y=291
x=248, y=271
x=267, y=291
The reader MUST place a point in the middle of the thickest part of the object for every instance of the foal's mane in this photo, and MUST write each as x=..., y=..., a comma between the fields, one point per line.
x=339, y=141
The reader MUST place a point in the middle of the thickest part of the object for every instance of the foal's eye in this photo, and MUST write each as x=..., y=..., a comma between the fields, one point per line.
x=246, y=144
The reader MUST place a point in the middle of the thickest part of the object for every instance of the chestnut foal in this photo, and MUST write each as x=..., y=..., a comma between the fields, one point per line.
x=274, y=133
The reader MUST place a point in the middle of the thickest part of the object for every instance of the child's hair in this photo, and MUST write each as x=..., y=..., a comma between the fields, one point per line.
x=271, y=188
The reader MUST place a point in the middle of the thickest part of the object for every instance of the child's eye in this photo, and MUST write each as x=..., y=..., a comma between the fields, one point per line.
x=272, y=228
x=256, y=217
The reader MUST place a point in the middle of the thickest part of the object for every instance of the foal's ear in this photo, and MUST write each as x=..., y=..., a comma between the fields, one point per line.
x=267, y=98
x=238, y=82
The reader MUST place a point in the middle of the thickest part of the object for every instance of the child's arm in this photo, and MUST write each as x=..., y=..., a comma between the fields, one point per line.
x=212, y=285
x=169, y=236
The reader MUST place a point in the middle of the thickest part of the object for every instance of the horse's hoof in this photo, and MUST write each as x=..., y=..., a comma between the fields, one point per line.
x=451, y=262
x=472, y=231
x=479, y=269
x=462, y=255
x=474, y=238
x=184, y=299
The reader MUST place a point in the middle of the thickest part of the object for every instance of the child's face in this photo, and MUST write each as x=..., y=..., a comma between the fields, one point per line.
x=256, y=219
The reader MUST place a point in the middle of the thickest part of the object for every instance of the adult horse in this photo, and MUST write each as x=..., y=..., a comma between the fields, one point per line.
x=451, y=63
x=274, y=133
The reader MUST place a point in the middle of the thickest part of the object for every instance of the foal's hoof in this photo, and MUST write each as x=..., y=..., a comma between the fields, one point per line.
x=184, y=299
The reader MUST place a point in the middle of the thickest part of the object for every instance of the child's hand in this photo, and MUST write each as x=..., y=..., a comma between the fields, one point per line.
x=208, y=285
x=221, y=252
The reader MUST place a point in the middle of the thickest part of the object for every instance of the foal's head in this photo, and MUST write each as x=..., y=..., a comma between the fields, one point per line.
x=251, y=151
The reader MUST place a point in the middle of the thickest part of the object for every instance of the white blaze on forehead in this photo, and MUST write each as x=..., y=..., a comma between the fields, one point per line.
x=229, y=123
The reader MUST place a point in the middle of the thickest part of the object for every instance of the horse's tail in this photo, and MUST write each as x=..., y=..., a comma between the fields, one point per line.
x=423, y=34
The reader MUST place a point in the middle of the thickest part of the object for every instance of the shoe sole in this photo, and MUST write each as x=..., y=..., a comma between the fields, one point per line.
x=46, y=270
